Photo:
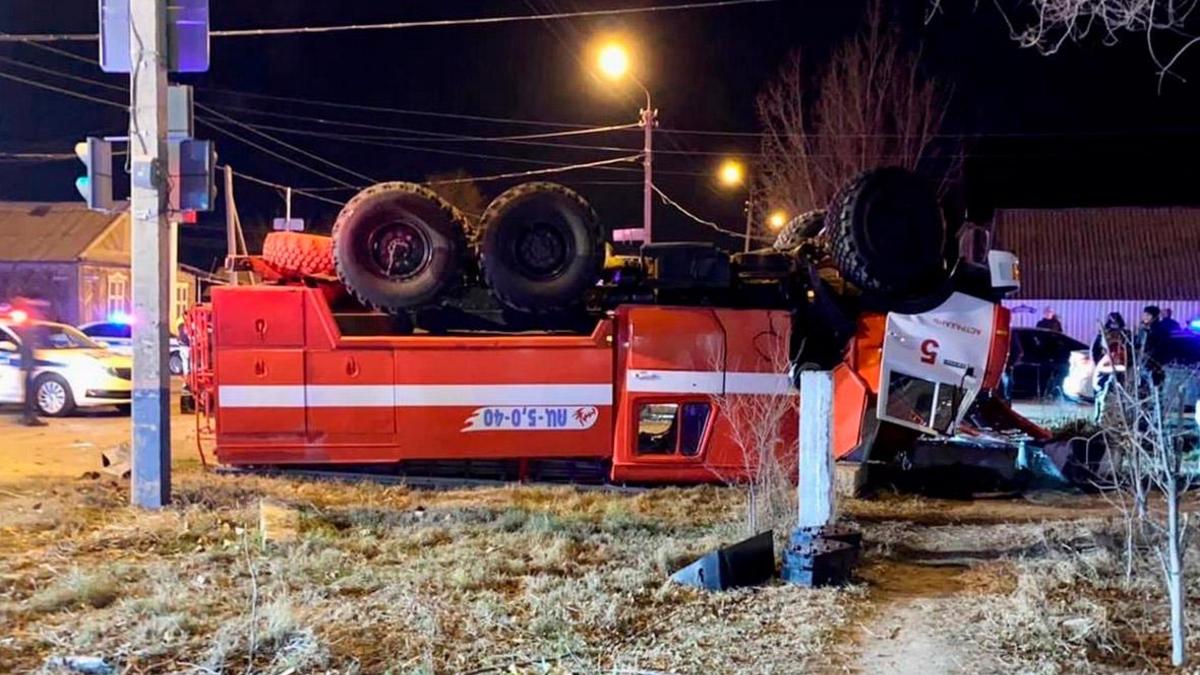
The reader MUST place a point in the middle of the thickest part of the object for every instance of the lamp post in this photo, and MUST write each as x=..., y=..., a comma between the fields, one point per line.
x=614, y=63
x=732, y=174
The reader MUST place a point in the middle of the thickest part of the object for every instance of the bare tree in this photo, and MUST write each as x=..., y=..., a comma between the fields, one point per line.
x=756, y=424
x=1147, y=433
x=1047, y=25
x=871, y=106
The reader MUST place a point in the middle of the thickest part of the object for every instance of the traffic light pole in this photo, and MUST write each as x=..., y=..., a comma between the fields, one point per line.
x=151, y=237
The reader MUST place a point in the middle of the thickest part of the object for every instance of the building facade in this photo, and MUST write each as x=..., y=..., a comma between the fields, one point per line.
x=77, y=260
x=1085, y=263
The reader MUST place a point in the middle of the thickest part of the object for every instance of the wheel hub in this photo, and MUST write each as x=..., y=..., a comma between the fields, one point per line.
x=400, y=250
x=51, y=397
x=542, y=250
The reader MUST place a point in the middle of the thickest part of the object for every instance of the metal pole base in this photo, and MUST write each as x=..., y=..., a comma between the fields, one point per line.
x=821, y=556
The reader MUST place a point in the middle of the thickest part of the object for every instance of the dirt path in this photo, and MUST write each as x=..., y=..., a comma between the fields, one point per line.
x=906, y=632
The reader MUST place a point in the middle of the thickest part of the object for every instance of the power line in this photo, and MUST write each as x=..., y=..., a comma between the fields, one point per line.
x=289, y=146
x=68, y=92
x=433, y=23
x=419, y=135
x=425, y=149
x=401, y=111
x=278, y=186
x=708, y=223
x=270, y=152
x=59, y=73
x=537, y=172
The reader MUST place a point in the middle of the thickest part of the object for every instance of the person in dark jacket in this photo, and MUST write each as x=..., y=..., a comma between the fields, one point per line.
x=1049, y=321
x=1169, y=324
x=29, y=332
x=1153, y=342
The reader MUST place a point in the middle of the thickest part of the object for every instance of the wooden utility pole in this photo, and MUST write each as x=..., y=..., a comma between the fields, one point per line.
x=151, y=457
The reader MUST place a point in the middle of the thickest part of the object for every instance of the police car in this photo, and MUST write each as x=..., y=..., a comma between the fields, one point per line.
x=117, y=335
x=71, y=370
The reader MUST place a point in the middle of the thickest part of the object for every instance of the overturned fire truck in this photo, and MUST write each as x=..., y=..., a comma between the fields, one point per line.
x=524, y=348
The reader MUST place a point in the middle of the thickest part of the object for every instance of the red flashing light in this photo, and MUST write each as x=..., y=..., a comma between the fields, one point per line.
x=188, y=217
x=19, y=316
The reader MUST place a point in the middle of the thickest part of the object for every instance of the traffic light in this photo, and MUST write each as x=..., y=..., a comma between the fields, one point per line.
x=97, y=186
x=192, y=177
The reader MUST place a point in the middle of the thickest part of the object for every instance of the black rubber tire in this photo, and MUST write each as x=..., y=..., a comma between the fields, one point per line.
x=887, y=234
x=567, y=221
x=68, y=405
x=804, y=226
x=423, y=214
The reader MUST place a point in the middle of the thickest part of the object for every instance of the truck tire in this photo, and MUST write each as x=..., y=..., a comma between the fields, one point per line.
x=398, y=245
x=541, y=247
x=804, y=226
x=887, y=234
x=299, y=253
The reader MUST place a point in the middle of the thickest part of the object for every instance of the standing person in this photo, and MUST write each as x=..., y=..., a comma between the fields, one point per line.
x=1169, y=324
x=1049, y=321
x=1153, y=341
x=1110, y=353
x=29, y=333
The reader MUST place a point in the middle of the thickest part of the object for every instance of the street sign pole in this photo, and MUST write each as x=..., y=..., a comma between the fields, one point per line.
x=151, y=237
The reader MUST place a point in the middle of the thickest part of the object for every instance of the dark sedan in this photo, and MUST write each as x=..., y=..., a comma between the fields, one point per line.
x=1037, y=362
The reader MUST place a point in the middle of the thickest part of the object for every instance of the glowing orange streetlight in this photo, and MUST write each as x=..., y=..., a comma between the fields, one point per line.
x=614, y=62
x=777, y=220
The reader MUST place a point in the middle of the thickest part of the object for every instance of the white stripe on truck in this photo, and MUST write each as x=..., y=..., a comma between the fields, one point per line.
x=466, y=395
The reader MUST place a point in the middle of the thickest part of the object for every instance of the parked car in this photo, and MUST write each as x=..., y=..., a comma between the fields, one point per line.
x=1082, y=380
x=1037, y=361
x=118, y=336
x=72, y=371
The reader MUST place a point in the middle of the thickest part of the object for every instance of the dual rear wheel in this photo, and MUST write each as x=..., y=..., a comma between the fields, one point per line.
x=398, y=246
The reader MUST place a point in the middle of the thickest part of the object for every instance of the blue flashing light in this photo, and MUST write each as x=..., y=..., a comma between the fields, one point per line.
x=120, y=317
x=1194, y=325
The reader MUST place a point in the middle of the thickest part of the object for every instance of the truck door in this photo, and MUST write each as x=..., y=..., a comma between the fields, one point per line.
x=675, y=366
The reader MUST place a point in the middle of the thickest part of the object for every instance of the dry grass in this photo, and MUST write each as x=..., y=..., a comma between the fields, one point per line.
x=385, y=578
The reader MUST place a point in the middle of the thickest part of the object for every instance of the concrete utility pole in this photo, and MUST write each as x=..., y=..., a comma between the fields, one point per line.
x=151, y=456
x=649, y=120
x=231, y=240
x=815, y=490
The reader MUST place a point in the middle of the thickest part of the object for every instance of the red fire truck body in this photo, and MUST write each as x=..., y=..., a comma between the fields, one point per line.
x=648, y=397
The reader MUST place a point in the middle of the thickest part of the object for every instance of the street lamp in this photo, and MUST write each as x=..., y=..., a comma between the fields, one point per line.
x=614, y=63
x=732, y=174
x=777, y=220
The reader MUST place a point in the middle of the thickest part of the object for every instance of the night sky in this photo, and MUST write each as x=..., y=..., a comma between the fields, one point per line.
x=1085, y=127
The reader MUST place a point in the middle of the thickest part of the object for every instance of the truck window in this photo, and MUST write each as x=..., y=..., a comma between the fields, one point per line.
x=657, y=430
x=695, y=420
x=671, y=428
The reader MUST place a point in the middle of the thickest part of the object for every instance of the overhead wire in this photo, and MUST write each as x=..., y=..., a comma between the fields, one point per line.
x=424, y=134
x=708, y=223
x=287, y=145
x=394, y=25
x=278, y=186
x=536, y=172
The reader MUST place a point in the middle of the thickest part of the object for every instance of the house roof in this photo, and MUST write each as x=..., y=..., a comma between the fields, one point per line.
x=1104, y=253
x=49, y=232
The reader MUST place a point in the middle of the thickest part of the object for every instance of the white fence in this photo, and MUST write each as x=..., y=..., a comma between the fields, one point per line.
x=1080, y=318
